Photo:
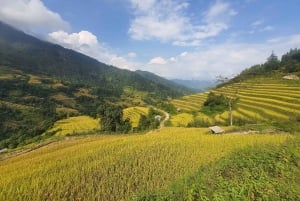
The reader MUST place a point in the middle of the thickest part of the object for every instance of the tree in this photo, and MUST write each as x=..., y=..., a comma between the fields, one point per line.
x=272, y=62
x=112, y=119
x=231, y=100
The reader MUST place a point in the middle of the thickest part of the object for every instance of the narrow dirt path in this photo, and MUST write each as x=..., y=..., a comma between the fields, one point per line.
x=162, y=123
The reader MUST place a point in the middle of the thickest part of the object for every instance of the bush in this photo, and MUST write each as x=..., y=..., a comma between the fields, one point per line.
x=215, y=104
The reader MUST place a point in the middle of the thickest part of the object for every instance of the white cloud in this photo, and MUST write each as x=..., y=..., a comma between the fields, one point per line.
x=158, y=60
x=217, y=10
x=224, y=59
x=87, y=43
x=30, y=15
x=169, y=21
x=183, y=54
x=132, y=55
x=233, y=12
x=257, y=23
x=267, y=28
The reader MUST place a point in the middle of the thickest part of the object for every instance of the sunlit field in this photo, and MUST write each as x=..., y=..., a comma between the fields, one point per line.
x=75, y=125
x=134, y=114
x=259, y=100
x=117, y=167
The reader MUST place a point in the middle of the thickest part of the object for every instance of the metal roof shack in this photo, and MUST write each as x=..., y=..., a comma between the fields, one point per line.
x=216, y=130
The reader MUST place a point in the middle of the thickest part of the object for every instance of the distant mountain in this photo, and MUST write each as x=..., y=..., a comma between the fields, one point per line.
x=197, y=85
x=165, y=82
x=41, y=82
x=32, y=55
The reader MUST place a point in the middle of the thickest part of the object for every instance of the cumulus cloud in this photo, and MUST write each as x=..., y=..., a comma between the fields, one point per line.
x=158, y=60
x=87, y=43
x=169, y=21
x=224, y=59
x=30, y=15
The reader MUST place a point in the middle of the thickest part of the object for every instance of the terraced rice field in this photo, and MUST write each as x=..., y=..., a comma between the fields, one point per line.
x=261, y=100
x=75, y=125
x=190, y=103
x=181, y=119
x=134, y=114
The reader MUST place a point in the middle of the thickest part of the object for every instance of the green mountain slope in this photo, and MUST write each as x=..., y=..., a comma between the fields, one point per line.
x=32, y=55
x=165, y=82
x=41, y=83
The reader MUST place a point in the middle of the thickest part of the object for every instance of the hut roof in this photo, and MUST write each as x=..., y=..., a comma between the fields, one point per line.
x=216, y=129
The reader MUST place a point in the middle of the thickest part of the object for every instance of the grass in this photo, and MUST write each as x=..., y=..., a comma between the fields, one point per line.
x=75, y=125
x=117, y=167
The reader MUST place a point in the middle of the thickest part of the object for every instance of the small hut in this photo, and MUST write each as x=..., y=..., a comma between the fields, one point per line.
x=216, y=130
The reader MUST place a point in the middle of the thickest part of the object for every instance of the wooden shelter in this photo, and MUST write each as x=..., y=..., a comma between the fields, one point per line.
x=216, y=130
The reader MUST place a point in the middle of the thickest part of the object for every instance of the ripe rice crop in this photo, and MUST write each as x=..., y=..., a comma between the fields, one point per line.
x=134, y=113
x=75, y=125
x=263, y=100
x=116, y=167
x=181, y=119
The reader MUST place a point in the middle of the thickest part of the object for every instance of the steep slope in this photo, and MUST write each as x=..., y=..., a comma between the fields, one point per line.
x=34, y=56
x=41, y=83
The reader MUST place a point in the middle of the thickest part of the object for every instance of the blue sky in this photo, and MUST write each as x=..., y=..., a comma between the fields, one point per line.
x=186, y=39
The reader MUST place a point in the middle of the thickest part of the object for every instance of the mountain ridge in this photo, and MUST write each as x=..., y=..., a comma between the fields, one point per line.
x=41, y=83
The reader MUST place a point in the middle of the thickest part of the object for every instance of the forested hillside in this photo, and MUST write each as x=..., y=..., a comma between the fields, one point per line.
x=41, y=83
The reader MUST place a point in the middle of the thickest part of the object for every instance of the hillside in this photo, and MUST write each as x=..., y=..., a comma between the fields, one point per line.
x=258, y=101
x=119, y=167
x=262, y=95
x=41, y=83
x=169, y=83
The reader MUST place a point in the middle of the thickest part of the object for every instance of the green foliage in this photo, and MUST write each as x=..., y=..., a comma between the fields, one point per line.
x=149, y=122
x=215, y=103
x=272, y=63
x=199, y=123
x=256, y=173
x=112, y=119
x=290, y=63
x=168, y=107
x=59, y=74
x=291, y=126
